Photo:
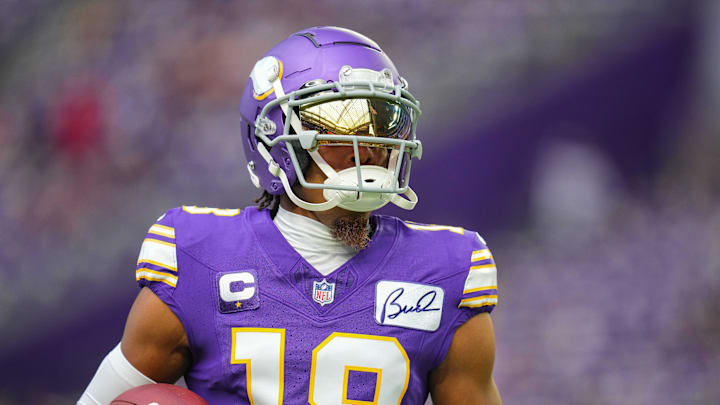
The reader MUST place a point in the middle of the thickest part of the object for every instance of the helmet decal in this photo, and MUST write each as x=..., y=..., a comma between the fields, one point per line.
x=266, y=70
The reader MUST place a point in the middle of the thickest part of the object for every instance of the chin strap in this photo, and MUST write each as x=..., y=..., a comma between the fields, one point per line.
x=327, y=170
x=405, y=203
x=276, y=171
x=332, y=203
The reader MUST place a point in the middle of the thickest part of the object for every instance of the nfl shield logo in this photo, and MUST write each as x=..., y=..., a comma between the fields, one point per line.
x=323, y=292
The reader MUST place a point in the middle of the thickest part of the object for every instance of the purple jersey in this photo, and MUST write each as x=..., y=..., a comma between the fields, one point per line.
x=266, y=328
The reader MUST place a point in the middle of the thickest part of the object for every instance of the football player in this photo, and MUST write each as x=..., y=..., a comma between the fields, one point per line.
x=309, y=298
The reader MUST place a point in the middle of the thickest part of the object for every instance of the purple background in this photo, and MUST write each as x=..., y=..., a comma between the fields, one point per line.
x=580, y=138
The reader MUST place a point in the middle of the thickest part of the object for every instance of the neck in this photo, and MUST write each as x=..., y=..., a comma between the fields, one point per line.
x=352, y=228
x=290, y=206
x=313, y=241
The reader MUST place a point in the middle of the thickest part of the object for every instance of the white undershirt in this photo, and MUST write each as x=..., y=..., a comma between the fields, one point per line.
x=313, y=241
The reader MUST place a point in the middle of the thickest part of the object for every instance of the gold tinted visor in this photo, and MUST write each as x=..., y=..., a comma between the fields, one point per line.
x=358, y=116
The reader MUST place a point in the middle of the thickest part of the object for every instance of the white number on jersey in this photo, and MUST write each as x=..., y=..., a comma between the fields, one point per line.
x=263, y=350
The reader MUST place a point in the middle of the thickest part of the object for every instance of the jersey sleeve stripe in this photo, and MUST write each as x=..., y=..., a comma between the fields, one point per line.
x=480, y=302
x=159, y=272
x=151, y=275
x=478, y=294
x=162, y=231
x=480, y=278
x=150, y=239
x=167, y=228
x=151, y=264
x=479, y=255
x=159, y=253
x=481, y=286
x=484, y=266
x=482, y=297
x=160, y=238
x=474, y=290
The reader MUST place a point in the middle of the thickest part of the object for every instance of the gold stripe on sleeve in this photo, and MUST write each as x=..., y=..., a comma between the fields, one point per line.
x=490, y=287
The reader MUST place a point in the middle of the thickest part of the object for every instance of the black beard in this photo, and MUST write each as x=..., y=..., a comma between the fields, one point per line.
x=352, y=231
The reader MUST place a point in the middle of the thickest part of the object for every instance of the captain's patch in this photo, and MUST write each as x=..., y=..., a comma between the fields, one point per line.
x=238, y=291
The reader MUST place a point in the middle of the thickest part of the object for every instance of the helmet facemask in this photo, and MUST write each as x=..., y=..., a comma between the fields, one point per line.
x=364, y=108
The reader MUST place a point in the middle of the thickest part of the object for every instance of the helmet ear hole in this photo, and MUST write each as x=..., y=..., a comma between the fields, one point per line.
x=251, y=140
x=302, y=155
x=291, y=129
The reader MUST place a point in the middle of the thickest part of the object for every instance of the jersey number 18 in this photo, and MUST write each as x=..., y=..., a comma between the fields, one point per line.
x=262, y=350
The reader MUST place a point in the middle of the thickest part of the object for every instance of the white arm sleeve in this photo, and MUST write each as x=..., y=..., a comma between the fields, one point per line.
x=114, y=376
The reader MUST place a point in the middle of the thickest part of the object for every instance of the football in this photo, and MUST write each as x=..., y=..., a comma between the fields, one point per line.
x=158, y=394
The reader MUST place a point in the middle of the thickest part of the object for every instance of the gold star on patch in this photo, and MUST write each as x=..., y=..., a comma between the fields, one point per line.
x=238, y=304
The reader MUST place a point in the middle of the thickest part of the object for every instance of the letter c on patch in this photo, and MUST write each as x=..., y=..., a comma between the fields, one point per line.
x=246, y=293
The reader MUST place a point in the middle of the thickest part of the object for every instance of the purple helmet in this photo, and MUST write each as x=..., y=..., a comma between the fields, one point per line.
x=330, y=86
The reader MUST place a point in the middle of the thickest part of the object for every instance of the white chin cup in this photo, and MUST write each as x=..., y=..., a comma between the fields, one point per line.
x=372, y=176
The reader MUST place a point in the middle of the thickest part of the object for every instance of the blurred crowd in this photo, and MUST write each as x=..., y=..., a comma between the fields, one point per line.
x=625, y=305
x=113, y=112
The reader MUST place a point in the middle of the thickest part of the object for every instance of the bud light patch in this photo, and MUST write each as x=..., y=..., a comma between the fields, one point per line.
x=323, y=292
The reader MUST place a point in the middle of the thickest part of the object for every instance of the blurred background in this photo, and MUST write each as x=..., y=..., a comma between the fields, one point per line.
x=579, y=137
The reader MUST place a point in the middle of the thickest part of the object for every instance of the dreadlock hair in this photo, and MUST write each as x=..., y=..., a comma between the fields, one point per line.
x=268, y=200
